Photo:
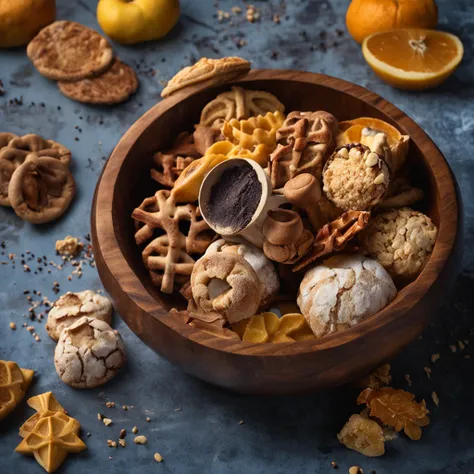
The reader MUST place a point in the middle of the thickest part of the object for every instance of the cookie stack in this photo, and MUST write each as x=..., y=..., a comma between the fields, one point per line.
x=83, y=63
x=35, y=179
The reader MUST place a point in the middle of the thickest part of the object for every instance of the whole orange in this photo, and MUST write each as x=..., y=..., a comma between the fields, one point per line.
x=366, y=17
x=20, y=20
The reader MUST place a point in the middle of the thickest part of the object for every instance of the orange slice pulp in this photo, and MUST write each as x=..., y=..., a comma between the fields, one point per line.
x=413, y=58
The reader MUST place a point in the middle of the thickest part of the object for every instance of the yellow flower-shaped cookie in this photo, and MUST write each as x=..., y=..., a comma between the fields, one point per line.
x=268, y=327
x=255, y=138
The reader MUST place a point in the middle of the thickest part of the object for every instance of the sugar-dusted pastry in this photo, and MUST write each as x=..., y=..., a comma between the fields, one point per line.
x=224, y=286
x=343, y=291
x=363, y=435
x=304, y=141
x=89, y=353
x=69, y=51
x=71, y=307
x=217, y=70
x=355, y=178
x=14, y=382
x=285, y=238
x=50, y=434
x=334, y=236
x=265, y=270
x=401, y=241
x=168, y=254
x=41, y=189
x=256, y=135
x=379, y=136
x=238, y=103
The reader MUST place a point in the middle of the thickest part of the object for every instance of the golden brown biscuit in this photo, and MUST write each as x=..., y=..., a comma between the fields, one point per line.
x=220, y=70
x=69, y=51
x=113, y=86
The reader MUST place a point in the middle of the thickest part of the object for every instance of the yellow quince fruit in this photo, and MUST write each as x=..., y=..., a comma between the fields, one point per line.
x=21, y=20
x=135, y=21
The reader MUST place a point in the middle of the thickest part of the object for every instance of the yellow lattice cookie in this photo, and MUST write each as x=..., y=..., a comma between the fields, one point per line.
x=256, y=135
x=268, y=327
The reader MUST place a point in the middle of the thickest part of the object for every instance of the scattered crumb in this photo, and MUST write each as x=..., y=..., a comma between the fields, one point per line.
x=177, y=409
x=12, y=326
x=140, y=439
x=461, y=345
x=123, y=433
x=110, y=404
x=69, y=247
x=158, y=457
x=427, y=371
x=99, y=416
x=334, y=465
x=107, y=421
x=453, y=348
x=435, y=357
x=241, y=422
x=435, y=398
x=148, y=419
x=408, y=379
x=134, y=430
x=355, y=470
x=111, y=444
x=122, y=442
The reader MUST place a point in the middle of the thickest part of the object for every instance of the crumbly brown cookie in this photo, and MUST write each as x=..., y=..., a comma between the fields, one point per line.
x=89, y=353
x=355, y=178
x=14, y=150
x=224, y=286
x=41, y=189
x=220, y=70
x=113, y=86
x=69, y=51
x=73, y=306
x=401, y=240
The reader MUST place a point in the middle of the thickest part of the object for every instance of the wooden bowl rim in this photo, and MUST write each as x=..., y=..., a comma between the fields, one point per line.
x=117, y=264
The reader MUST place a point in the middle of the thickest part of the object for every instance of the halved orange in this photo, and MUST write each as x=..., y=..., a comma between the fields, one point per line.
x=413, y=58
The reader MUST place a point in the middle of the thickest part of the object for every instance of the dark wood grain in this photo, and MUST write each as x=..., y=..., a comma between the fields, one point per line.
x=268, y=368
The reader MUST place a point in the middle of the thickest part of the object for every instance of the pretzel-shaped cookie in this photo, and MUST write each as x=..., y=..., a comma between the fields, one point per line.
x=169, y=256
x=41, y=189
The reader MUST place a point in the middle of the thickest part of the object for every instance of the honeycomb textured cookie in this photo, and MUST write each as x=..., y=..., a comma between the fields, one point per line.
x=355, y=178
x=71, y=307
x=400, y=240
x=344, y=291
x=89, y=353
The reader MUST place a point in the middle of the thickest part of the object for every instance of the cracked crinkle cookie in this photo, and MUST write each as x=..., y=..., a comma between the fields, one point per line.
x=401, y=240
x=73, y=306
x=355, y=178
x=89, y=353
x=343, y=291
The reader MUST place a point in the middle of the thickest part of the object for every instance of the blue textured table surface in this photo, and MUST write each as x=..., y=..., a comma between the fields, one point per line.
x=279, y=435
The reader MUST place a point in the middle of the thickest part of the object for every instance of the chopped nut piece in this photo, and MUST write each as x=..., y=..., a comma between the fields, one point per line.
x=148, y=419
x=134, y=430
x=355, y=470
x=435, y=357
x=37, y=338
x=178, y=409
x=276, y=19
x=111, y=444
x=123, y=433
x=140, y=439
x=70, y=246
x=30, y=328
x=427, y=371
x=461, y=345
x=158, y=457
x=122, y=442
x=110, y=404
x=408, y=379
x=334, y=465
x=241, y=422
x=99, y=416
x=107, y=421
x=363, y=435
x=453, y=348
x=435, y=398
x=12, y=326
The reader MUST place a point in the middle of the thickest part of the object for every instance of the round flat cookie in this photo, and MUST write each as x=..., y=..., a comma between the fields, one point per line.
x=115, y=85
x=68, y=51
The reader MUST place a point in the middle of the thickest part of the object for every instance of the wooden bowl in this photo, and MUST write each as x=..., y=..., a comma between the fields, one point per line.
x=268, y=368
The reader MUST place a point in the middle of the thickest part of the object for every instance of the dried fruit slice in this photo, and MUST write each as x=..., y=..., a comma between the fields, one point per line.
x=413, y=58
x=396, y=408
